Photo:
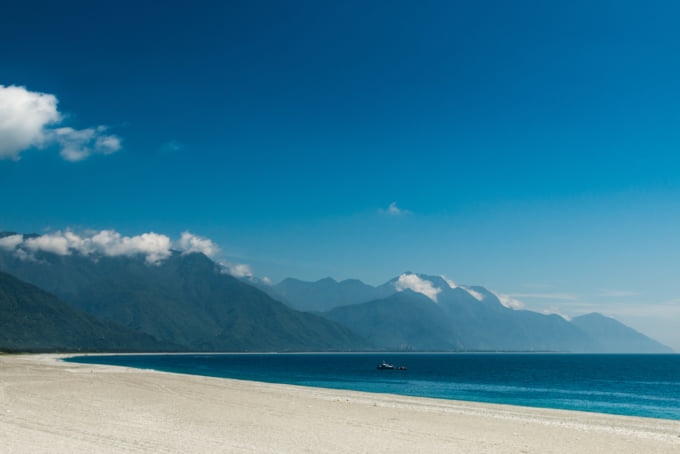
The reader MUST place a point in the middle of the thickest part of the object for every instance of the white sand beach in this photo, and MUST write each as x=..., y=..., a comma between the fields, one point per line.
x=50, y=406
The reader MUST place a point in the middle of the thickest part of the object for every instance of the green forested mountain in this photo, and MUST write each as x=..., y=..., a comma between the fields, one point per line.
x=34, y=320
x=184, y=299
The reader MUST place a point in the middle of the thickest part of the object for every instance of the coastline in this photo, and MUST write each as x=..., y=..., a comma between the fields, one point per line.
x=52, y=406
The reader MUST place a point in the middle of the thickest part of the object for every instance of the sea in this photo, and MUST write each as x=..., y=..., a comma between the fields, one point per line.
x=634, y=385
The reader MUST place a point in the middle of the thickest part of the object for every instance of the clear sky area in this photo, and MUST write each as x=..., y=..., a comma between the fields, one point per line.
x=532, y=147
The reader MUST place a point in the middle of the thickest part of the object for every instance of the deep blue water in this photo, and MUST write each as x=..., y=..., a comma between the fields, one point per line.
x=637, y=385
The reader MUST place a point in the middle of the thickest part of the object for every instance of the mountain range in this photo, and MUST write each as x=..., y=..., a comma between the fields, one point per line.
x=420, y=312
x=62, y=299
x=185, y=300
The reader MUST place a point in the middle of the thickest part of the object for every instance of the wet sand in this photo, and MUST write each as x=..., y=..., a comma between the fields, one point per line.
x=50, y=406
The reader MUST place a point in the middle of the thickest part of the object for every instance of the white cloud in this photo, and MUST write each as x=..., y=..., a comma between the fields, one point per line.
x=475, y=294
x=509, y=301
x=26, y=118
x=10, y=242
x=416, y=284
x=55, y=243
x=241, y=270
x=394, y=210
x=237, y=270
x=23, y=118
x=154, y=247
x=449, y=281
x=192, y=243
x=77, y=145
x=106, y=144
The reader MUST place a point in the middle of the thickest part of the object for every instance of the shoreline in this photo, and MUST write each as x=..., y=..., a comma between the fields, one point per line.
x=316, y=378
x=53, y=406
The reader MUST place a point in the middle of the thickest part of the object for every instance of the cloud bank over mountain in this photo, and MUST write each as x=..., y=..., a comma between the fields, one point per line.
x=192, y=243
x=154, y=247
x=28, y=120
x=433, y=286
x=409, y=281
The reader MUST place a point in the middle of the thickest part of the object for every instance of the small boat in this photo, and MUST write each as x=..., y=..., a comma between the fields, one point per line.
x=385, y=366
x=402, y=368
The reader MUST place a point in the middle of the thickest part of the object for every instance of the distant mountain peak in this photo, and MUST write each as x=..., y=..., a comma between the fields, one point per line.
x=327, y=280
x=434, y=286
x=615, y=337
x=327, y=293
x=478, y=293
x=418, y=284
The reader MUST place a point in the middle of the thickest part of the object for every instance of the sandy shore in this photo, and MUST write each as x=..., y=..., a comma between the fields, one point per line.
x=50, y=406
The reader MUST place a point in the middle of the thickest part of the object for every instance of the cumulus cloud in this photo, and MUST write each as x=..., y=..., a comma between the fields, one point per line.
x=11, y=242
x=394, y=210
x=240, y=270
x=236, y=269
x=77, y=145
x=23, y=118
x=56, y=243
x=416, y=284
x=192, y=243
x=153, y=246
x=28, y=119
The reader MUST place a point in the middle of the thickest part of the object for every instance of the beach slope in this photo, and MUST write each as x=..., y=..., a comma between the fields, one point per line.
x=47, y=405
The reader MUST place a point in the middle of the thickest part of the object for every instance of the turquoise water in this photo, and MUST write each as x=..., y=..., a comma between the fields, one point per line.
x=636, y=385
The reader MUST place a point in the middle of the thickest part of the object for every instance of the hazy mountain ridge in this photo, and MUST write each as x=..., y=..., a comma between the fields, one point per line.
x=614, y=337
x=187, y=300
x=403, y=321
x=324, y=294
x=473, y=318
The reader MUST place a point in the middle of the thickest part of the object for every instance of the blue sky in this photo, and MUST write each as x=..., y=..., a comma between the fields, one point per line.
x=531, y=147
